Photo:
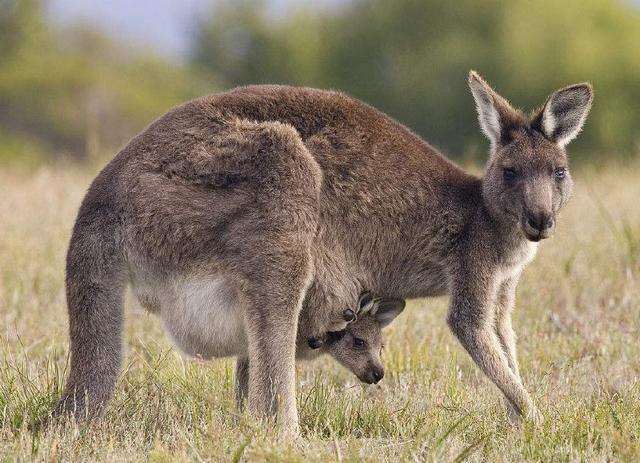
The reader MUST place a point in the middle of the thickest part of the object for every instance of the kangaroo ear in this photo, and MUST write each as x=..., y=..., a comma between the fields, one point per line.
x=388, y=310
x=563, y=115
x=497, y=117
x=364, y=300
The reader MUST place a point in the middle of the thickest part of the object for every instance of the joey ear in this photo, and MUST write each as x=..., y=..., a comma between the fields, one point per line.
x=563, y=115
x=495, y=114
x=387, y=310
x=364, y=300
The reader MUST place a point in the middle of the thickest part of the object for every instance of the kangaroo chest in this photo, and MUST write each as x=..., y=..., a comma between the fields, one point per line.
x=514, y=262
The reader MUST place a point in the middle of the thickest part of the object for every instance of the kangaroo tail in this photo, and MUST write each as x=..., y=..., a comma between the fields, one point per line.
x=95, y=284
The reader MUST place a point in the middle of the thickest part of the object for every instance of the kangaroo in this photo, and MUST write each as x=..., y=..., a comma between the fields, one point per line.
x=262, y=201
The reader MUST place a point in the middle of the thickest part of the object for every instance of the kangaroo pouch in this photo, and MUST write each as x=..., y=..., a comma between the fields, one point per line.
x=202, y=314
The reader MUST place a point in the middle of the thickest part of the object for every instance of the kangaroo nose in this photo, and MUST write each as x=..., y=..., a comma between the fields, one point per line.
x=540, y=222
x=377, y=374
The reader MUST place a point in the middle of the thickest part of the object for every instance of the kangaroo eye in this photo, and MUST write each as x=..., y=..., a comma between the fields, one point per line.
x=560, y=173
x=358, y=342
x=509, y=175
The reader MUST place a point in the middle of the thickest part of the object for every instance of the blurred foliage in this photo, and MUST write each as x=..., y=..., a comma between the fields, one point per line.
x=74, y=92
x=410, y=58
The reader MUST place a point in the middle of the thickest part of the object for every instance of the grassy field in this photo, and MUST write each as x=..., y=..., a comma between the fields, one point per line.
x=578, y=320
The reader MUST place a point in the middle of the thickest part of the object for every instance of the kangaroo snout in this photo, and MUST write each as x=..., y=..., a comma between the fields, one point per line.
x=374, y=375
x=538, y=226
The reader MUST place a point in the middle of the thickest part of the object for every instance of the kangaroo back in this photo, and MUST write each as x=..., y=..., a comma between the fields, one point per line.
x=95, y=281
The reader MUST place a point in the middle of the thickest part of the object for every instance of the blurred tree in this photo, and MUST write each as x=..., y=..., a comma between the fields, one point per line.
x=75, y=92
x=410, y=58
x=241, y=44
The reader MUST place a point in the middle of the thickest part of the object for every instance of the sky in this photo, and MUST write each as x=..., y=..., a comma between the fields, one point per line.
x=165, y=26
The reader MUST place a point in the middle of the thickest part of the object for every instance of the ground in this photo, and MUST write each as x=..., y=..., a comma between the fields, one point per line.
x=578, y=320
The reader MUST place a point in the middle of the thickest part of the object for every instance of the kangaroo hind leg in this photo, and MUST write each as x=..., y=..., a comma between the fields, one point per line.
x=271, y=256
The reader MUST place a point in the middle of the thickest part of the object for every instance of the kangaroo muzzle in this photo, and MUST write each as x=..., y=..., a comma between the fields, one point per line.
x=539, y=226
x=538, y=221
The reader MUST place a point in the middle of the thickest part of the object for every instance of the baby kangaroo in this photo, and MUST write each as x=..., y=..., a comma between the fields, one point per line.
x=357, y=347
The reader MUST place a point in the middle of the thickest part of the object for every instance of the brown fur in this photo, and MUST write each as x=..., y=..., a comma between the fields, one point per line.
x=290, y=201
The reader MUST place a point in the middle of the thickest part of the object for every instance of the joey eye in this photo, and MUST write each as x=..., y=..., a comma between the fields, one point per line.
x=560, y=173
x=509, y=175
x=358, y=342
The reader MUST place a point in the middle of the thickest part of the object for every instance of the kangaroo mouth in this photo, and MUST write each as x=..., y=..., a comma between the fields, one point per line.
x=535, y=235
x=367, y=379
x=535, y=238
x=371, y=377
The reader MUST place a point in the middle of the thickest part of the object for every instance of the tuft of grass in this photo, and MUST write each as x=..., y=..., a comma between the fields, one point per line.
x=577, y=320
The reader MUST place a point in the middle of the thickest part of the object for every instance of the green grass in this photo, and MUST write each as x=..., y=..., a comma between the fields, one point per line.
x=578, y=319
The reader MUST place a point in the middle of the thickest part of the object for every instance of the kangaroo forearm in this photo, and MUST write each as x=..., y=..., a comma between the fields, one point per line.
x=482, y=345
x=473, y=316
x=503, y=324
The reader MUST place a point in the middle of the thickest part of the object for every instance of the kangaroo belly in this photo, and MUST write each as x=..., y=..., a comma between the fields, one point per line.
x=201, y=314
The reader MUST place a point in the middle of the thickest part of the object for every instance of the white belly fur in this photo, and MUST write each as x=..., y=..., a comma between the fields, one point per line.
x=202, y=314
x=520, y=259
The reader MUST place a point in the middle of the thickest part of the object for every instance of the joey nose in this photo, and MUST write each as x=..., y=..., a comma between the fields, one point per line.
x=377, y=375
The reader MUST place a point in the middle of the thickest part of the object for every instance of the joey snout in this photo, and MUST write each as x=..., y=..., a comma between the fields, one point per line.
x=373, y=375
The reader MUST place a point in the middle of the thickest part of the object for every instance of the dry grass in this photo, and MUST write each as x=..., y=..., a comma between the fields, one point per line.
x=577, y=317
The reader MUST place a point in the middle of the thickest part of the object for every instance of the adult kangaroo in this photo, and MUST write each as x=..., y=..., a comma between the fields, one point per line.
x=268, y=202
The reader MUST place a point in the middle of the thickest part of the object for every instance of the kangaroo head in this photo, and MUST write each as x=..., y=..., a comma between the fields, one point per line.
x=358, y=347
x=527, y=176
